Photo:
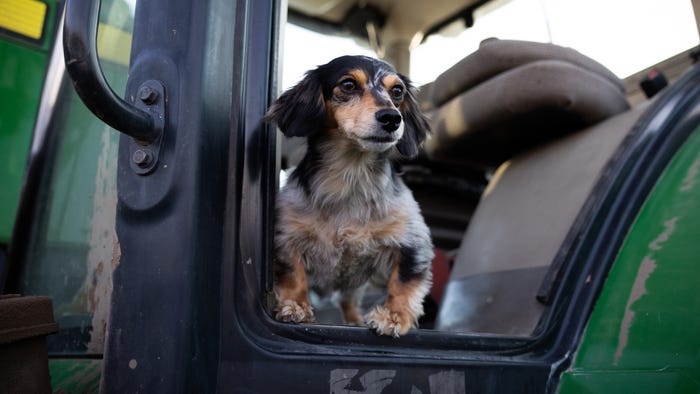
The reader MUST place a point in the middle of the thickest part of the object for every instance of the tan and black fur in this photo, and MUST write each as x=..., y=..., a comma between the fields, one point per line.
x=344, y=215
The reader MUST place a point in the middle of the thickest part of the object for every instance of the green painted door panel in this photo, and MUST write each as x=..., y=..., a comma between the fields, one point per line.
x=22, y=69
x=20, y=89
x=629, y=382
x=643, y=333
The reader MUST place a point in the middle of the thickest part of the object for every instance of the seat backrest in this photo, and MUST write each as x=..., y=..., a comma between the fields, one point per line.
x=512, y=95
x=496, y=56
x=520, y=224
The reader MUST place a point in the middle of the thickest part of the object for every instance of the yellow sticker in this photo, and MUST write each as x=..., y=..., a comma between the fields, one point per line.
x=24, y=17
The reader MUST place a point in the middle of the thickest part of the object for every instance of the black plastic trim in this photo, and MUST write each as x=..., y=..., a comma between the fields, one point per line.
x=164, y=317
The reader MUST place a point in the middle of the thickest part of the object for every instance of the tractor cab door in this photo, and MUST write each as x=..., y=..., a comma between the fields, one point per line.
x=148, y=209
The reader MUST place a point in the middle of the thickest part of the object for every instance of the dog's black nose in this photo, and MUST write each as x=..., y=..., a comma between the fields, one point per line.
x=390, y=119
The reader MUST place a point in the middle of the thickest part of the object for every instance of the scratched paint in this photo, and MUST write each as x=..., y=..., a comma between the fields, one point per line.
x=669, y=228
x=74, y=251
x=447, y=382
x=638, y=290
x=375, y=381
x=691, y=177
x=646, y=268
x=103, y=246
x=342, y=381
x=104, y=253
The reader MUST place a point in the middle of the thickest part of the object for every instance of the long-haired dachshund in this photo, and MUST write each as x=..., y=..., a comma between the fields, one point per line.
x=345, y=215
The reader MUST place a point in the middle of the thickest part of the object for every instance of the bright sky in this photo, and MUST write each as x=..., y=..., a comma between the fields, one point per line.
x=625, y=35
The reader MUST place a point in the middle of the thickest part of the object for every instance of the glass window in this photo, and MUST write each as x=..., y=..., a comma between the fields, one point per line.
x=74, y=248
x=625, y=36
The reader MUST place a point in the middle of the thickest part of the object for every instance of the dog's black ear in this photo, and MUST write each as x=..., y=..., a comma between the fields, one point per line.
x=301, y=110
x=416, y=126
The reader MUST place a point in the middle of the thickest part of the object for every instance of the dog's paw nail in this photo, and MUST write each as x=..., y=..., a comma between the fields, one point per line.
x=384, y=322
x=371, y=324
x=290, y=311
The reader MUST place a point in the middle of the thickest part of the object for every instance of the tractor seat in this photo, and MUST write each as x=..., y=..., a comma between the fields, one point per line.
x=519, y=226
x=549, y=119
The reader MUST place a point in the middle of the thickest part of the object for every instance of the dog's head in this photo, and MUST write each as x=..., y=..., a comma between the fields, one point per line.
x=356, y=97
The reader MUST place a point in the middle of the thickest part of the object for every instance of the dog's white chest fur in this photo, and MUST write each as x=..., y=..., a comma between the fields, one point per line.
x=342, y=248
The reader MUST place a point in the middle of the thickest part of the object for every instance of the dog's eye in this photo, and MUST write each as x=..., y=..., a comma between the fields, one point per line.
x=396, y=92
x=348, y=85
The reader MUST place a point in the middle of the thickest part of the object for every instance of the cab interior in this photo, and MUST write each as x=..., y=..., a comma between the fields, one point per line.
x=522, y=133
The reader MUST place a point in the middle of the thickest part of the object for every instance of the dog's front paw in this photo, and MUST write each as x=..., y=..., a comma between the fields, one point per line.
x=292, y=312
x=385, y=322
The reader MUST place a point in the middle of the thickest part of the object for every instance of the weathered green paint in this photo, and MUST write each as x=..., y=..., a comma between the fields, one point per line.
x=22, y=68
x=643, y=333
x=70, y=376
